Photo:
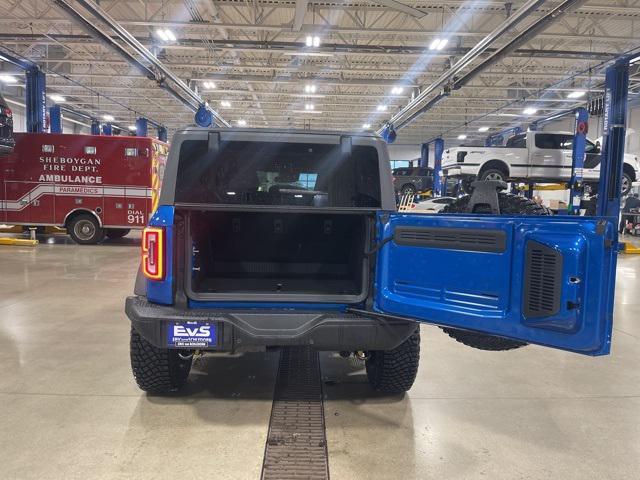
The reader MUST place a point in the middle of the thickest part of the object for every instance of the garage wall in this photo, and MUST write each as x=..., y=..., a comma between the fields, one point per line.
x=401, y=155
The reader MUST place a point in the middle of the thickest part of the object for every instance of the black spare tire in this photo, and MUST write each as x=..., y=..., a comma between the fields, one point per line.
x=509, y=205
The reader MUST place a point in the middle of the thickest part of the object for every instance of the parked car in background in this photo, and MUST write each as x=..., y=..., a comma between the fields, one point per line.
x=411, y=180
x=6, y=128
x=531, y=156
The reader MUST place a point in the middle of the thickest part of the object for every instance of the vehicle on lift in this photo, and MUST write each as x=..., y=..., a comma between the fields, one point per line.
x=89, y=184
x=531, y=156
x=230, y=264
x=7, y=142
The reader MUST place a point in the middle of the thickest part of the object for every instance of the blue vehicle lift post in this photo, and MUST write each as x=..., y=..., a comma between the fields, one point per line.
x=162, y=133
x=95, y=127
x=577, y=155
x=36, y=93
x=55, y=119
x=36, y=101
x=439, y=185
x=142, y=127
x=612, y=160
x=107, y=129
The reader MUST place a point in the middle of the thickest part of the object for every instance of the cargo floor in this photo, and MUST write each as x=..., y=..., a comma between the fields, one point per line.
x=70, y=409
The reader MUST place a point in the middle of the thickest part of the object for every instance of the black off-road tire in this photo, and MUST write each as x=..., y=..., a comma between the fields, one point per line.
x=114, y=233
x=509, y=205
x=85, y=229
x=482, y=341
x=157, y=370
x=394, y=371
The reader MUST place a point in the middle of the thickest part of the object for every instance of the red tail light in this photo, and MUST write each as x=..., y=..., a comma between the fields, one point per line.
x=153, y=251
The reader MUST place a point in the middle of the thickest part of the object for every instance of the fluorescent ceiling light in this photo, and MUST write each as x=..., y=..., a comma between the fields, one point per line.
x=8, y=79
x=309, y=106
x=108, y=118
x=165, y=35
x=133, y=128
x=462, y=137
x=366, y=126
x=483, y=129
x=438, y=43
x=397, y=90
x=57, y=98
x=308, y=54
x=310, y=88
x=209, y=85
x=530, y=111
x=242, y=123
x=577, y=94
x=381, y=108
x=225, y=103
x=313, y=41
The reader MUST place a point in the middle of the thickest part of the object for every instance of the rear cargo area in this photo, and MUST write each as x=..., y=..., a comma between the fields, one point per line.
x=311, y=256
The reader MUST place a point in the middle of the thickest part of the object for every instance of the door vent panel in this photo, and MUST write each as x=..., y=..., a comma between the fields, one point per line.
x=542, y=280
x=470, y=239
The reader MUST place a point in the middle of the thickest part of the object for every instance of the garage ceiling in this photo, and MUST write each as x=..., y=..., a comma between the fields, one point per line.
x=256, y=55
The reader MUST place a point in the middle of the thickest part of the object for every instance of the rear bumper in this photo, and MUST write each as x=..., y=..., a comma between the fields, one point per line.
x=254, y=329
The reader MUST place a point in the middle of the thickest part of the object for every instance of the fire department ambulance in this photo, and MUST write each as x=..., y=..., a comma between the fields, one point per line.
x=91, y=185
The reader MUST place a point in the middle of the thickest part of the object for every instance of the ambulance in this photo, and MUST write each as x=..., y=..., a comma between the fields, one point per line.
x=92, y=185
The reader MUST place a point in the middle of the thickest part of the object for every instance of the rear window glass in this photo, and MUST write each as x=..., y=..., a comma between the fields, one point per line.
x=518, y=141
x=553, y=141
x=278, y=173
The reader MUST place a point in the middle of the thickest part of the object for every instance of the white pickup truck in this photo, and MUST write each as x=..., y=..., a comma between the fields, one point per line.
x=531, y=156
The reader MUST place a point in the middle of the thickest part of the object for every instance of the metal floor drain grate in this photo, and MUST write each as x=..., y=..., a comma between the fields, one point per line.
x=296, y=443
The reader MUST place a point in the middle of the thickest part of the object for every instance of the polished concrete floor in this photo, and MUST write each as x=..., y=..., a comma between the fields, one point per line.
x=69, y=408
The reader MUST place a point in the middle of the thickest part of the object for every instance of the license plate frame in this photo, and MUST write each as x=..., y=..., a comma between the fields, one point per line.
x=192, y=334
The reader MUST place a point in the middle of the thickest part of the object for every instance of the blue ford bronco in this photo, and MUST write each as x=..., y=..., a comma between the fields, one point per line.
x=269, y=238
